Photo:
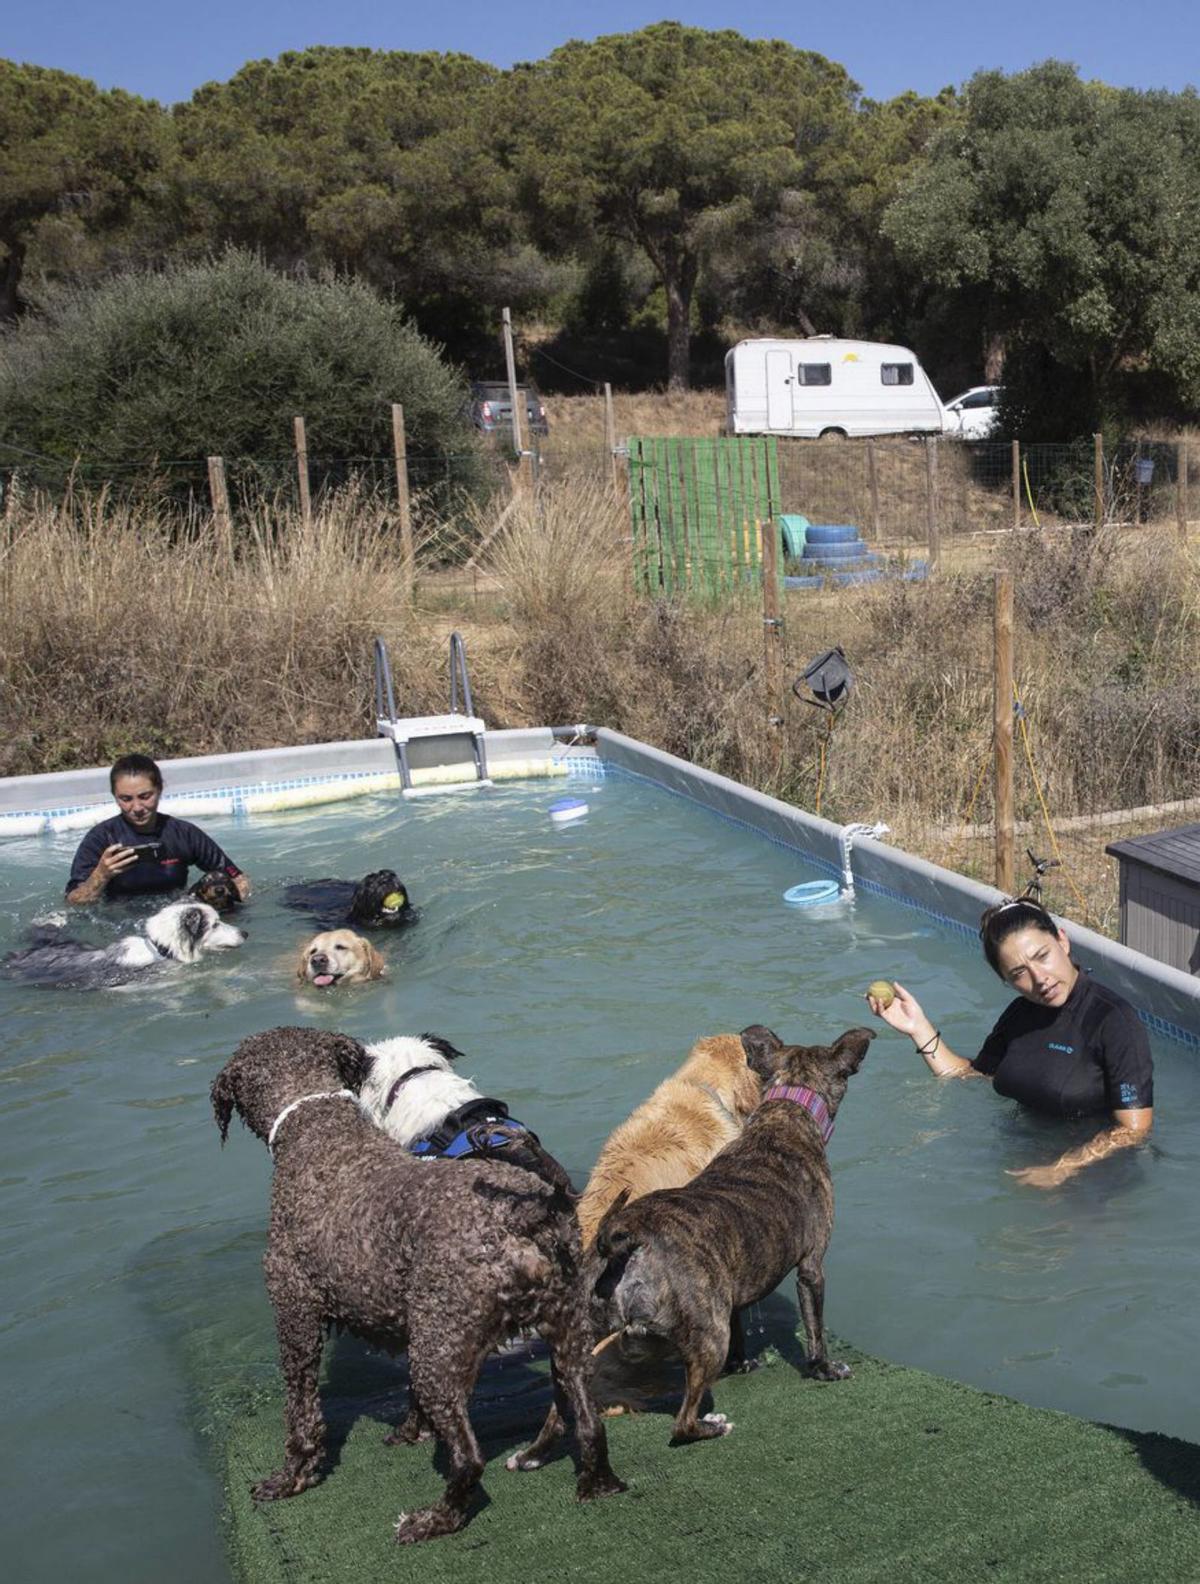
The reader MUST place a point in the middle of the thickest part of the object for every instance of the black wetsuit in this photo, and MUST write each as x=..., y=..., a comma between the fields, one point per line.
x=182, y=844
x=1089, y=1055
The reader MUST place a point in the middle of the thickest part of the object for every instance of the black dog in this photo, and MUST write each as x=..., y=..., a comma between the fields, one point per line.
x=218, y=890
x=680, y=1262
x=378, y=901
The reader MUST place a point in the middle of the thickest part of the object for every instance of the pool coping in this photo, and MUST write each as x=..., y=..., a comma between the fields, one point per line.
x=266, y=780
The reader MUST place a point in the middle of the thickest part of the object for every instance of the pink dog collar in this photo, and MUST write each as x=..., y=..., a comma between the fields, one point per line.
x=812, y=1102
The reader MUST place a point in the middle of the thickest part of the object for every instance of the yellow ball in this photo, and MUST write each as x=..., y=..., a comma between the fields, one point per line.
x=394, y=899
x=883, y=991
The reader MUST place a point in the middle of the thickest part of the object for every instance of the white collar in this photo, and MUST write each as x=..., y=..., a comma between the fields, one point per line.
x=328, y=1094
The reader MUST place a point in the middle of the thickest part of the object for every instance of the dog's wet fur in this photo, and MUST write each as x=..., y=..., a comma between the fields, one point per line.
x=679, y=1263
x=692, y=1114
x=444, y=1259
x=356, y=904
x=218, y=890
x=338, y=957
x=181, y=932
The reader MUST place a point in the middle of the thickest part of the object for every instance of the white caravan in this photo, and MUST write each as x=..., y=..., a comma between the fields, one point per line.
x=824, y=386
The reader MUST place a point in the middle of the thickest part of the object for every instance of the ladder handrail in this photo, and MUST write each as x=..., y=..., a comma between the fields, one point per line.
x=458, y=667
x=383, y=682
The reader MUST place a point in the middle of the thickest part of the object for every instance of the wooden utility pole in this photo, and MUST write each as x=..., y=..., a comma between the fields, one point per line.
x=931, y=511
x=610, y=439
x=524, y=460
x=1181, y=488
x=773, y=637
x=302, y=471
x=1098, y=471
x=873, y=485
x=1003, y=700
x=400, y=447
x=1016, y=484
x=219, y=494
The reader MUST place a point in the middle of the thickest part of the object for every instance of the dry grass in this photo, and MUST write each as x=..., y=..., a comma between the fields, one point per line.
x=123, y=630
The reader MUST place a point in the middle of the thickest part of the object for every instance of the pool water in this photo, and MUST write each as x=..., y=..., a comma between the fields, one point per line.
x=575, y=965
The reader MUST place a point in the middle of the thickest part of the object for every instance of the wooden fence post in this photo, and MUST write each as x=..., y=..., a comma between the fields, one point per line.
x=302, y=472
x=931, y=511
x=407, y=560
x=768, y=534
x=1181, y=488
x=1098, y=471
x=220, y=504
x=610, y=439
x=873, y=485
x=1003, y=717
x=1016, y=484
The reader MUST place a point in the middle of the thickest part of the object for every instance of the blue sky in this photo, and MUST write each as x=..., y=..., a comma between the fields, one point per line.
x=164, y=49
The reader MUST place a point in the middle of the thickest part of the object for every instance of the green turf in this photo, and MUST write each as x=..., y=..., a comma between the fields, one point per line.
x=893, y=1475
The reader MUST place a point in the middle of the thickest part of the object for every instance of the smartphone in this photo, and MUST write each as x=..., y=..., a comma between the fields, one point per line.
x=147, y=852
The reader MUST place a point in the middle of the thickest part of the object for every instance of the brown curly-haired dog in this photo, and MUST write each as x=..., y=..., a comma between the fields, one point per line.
x=446, y=1259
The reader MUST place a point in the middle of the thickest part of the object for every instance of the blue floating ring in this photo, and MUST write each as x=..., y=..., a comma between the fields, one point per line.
x=811, y=893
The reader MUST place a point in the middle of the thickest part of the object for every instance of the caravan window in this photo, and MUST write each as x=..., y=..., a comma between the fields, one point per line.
x=814, y=374
x=896, y=373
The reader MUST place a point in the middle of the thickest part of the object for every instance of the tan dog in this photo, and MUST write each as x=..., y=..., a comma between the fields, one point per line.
x=690, y=1117
x=338, y=957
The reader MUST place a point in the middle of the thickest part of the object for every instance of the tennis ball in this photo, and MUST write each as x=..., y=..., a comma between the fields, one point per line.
x=883, y=991
x=394, y=899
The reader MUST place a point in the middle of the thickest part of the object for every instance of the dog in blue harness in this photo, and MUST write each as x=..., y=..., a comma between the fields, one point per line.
x=412, y=1092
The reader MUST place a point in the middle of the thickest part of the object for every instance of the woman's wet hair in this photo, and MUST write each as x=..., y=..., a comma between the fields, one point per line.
x=135, y=765
x=1006, y=918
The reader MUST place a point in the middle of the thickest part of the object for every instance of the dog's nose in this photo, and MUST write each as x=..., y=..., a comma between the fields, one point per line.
x=319, y=961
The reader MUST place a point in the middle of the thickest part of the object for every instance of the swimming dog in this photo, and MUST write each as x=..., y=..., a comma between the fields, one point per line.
x=378, y=901
x=181, y=932
x=218, y=890
x=338, y=957
x=680, y=1263
x=690, y=1116
x=412, y=1092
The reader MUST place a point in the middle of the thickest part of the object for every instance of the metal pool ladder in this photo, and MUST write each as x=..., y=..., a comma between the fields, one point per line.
x=434, y=752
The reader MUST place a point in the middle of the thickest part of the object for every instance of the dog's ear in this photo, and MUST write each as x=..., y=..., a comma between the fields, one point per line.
x=850, y=1048
x=194, y=923
x=353, y=1061
x=375, y=963
x=443, y=1047
x=224, y=1099
x=761, y=1045
x=302, y=961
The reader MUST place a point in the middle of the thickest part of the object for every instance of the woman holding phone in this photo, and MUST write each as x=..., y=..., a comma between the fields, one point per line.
x=140, y=850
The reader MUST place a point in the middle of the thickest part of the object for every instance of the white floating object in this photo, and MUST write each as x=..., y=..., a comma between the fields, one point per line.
x=568, y=809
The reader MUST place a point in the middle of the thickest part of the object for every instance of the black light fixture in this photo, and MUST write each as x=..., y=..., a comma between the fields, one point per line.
x=828, y=678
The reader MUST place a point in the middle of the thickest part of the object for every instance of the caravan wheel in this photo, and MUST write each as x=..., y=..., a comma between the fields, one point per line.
x=832, y=434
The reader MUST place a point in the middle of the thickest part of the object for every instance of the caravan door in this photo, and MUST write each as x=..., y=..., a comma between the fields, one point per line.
x=779, y=389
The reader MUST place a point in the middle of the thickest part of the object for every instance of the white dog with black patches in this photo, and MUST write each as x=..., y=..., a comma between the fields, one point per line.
x=181, y=932
x=412, y=1092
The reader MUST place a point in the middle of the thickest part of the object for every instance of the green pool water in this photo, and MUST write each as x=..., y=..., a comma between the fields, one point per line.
x=575, y=965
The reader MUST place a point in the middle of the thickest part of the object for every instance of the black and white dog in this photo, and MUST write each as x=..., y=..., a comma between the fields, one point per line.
x=181, y=932
x=412, y=1092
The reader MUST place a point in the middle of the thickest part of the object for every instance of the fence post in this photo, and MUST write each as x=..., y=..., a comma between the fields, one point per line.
x=1003, y=716
x=773, y=637
x=1016, y=484
x=220, y=505
x=1181, y=488
x=400, y=446
x=610, y=439
x=302, y=471
x=873, y=483
x=1098, y=468
x=931, y=514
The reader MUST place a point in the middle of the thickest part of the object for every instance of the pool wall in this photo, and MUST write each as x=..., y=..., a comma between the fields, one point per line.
x=277, y=778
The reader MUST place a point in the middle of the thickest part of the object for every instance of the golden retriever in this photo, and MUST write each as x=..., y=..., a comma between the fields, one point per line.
x=691, y=1116
x=338, y=957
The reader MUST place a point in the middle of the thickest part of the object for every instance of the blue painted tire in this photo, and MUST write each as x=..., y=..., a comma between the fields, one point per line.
x=850, y=550
x=812, y=893
x=830, y=533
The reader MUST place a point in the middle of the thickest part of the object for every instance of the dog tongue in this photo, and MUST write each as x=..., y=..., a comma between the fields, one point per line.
x=322, y=979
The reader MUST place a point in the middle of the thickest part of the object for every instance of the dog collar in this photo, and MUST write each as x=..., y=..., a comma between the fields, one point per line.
x=328, y=1094
x=812, y=1102
x=401, y=1081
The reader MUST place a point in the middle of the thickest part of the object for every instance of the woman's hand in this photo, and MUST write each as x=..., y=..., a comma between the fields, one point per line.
x=904, y=1014
x=1129, y=1128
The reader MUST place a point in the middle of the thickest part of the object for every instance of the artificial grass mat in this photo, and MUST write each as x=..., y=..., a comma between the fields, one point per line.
x=891, y=1475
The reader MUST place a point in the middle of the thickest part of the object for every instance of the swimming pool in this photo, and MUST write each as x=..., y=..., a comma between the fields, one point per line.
x=574, y=965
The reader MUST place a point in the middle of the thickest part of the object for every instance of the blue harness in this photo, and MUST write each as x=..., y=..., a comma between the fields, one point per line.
x=478, y=1125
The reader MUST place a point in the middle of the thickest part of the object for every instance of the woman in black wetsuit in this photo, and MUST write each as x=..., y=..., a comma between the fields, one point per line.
x=1067, y=1047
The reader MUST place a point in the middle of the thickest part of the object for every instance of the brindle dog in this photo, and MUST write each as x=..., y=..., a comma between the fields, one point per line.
x=681, y=1262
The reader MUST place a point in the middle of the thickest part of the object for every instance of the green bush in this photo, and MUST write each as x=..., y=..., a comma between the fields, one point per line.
x=153, y=372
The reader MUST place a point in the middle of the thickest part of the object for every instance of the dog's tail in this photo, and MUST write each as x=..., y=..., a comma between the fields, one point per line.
x=519, y=1147
x=615, y=1239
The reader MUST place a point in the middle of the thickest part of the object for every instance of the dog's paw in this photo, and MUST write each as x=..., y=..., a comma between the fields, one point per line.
x=522, y=1463
x=600, y=1485
x=280, y=1485
x=742, y=1366
x=406, y=1435
x=722, y=1424
x=428, y=1524
x=829, y=1370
